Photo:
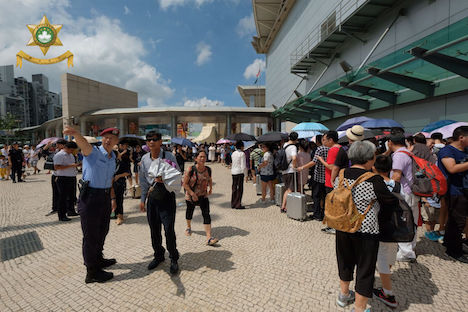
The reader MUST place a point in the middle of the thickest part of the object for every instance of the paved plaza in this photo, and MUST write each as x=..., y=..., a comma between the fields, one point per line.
x=264, y=261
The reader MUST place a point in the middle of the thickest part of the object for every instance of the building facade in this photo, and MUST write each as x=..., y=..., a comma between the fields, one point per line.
x=328, y=60
x=30, y=102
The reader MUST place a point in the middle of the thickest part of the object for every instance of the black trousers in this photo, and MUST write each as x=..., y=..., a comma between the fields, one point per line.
x=318, y=195
x=16, y=171
x=119, y=189
x=53, y=179
x=204, y=204
x=458, y=211
x=357, y=250
x=237, y=190
x=163, y=212
x=65, y=196
x=94, y=209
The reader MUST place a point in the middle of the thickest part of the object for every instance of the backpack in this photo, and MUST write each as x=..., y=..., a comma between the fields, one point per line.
x=340, y=210
x=427, y=178
x=280, y=162
x=194, y=170
x=399, y=228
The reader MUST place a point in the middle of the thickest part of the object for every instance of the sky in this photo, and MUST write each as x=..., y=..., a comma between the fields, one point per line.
x=172, y=52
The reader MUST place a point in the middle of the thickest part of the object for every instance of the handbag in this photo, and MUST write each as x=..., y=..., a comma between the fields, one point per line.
x=49, y=163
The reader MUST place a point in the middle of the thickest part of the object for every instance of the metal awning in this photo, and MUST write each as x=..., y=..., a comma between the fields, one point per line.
x=269, y=16
x=432, y=66
x=348, y=19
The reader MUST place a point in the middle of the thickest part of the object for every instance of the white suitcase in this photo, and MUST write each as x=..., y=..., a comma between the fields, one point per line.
x=296, y=204
x=136, y=191
x=258, y=185
x=279, y=192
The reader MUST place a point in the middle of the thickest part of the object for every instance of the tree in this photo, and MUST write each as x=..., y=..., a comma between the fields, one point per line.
x=8, y=121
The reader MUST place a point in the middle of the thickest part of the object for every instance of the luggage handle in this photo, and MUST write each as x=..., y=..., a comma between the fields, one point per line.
x=295, y=180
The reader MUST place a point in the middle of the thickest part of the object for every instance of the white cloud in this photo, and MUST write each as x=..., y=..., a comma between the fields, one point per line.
x=203, y=102
x=165, y=4
x=246, y=26
x=102, y=50
x=203, y=53
x=252, y=70
x=126, y=10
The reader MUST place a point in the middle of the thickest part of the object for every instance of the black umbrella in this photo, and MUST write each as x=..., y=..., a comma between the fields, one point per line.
x=132, y=140
x=272, y=137
x=241, y=137
x=368, y=134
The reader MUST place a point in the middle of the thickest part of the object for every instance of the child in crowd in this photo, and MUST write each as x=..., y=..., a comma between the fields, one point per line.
x=430, y=214
x=3, y=167
x=386, y=256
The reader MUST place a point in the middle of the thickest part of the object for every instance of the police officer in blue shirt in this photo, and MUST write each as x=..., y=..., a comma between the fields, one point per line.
x=95, y=200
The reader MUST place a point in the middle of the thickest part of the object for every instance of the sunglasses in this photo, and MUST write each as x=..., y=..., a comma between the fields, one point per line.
x=153, y=139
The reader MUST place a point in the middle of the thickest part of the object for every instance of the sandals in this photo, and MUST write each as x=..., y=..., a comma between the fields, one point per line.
x=212, y=241
x=188, y=232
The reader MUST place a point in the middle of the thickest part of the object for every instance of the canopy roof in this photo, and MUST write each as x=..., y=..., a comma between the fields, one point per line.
x=432, y=66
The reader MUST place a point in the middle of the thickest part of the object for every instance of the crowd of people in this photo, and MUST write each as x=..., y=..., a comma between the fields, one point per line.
x=374, y=170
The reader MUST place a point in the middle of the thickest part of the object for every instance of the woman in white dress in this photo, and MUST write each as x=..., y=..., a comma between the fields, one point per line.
x=212, y=152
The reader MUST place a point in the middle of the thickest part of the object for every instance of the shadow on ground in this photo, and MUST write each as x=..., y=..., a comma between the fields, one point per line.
x=224, y=232
x=412, y=285
x=217, y=260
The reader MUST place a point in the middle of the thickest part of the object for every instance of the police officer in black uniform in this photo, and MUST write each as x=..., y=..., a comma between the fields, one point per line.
x=95, y=200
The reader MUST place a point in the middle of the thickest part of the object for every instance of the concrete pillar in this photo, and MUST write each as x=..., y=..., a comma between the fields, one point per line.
x=58, y=131
x=228, y=124
x=83, y=129
x=173, y=126
x=123, y=125
x=276, y=124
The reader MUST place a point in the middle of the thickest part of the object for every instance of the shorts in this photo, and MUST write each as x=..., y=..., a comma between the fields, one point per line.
x=429, y=213
x=33, y=163
x=288, y=180
x=267, y=178
x=386, y=257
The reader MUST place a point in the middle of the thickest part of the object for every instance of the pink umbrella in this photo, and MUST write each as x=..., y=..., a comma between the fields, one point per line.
x=47, y=141
x=223, y=141
x=447, y=131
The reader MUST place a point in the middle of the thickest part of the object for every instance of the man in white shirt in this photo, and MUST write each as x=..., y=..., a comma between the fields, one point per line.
x=65, y=173
x=238, y=171
x=288, y=174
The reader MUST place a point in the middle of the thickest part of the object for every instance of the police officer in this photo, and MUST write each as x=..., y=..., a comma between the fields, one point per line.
x=161, y=204
x=94, y=205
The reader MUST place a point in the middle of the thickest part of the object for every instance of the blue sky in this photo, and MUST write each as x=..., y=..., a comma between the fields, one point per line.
x=172, y=52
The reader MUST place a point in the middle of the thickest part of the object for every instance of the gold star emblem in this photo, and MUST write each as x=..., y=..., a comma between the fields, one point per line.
x=44, y=35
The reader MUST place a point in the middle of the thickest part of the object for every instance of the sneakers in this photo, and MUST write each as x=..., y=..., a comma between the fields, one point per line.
x=433, y=236
x=344, y=300
x=328, y=230
x=462, y=258
x=388, y=300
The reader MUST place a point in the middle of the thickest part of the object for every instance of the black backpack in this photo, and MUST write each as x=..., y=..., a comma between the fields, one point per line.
x=400, y=227
x=280, y=162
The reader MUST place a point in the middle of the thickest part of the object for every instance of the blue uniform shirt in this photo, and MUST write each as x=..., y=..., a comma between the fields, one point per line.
x=98, y=168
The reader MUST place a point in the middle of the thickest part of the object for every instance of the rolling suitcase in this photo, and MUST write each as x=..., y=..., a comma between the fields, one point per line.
x=279, y=192
x=136, y=191
x=296, y=203
x=258, y=185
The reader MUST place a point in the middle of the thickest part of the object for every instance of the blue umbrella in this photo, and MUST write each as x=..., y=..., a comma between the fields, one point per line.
x=352, y=122
x=310, y=126
x=307, y=134
x=436, y=125
x=182, y=141
x=381, y=124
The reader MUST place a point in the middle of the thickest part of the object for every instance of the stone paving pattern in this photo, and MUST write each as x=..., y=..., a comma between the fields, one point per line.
x=264, y=262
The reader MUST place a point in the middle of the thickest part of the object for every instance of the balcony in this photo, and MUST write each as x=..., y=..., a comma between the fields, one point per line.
x=348, y=19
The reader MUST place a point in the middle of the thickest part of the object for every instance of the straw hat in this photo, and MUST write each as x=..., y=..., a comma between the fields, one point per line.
x=355, y=133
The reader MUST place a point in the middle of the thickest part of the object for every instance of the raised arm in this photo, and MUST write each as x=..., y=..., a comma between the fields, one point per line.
x=85, y=147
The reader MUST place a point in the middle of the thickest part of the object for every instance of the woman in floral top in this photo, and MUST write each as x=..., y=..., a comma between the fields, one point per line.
x=267, y=174
x=197, y=180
